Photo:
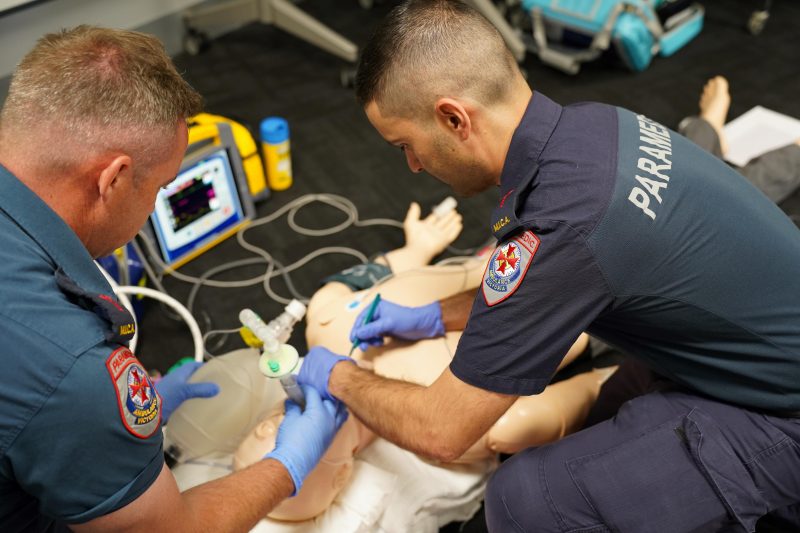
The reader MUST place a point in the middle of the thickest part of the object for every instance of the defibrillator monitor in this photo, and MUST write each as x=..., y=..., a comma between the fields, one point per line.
x=206, y=203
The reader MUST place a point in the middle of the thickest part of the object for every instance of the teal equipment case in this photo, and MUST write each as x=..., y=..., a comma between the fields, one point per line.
x=567, y=33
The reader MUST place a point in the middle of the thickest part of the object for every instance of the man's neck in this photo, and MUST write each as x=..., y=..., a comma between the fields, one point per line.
x=505, y=124
x=53, y=188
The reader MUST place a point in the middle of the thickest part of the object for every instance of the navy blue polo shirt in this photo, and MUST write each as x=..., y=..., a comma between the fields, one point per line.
x=613, y=224
x=79, y=419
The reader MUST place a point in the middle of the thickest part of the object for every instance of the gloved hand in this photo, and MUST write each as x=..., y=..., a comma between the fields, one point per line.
x=305, y=435
x=316, y=369
x=408, y=323
x=175, y=389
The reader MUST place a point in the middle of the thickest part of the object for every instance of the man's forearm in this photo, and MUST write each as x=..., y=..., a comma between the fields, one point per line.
x=403, y=413
x=232, y=503
x=456, y=309
x=238, y=501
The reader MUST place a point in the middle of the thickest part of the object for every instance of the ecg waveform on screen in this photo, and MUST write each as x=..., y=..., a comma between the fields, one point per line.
x=192, y=201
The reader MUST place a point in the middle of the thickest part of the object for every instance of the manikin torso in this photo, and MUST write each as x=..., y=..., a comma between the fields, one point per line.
x=531, y=421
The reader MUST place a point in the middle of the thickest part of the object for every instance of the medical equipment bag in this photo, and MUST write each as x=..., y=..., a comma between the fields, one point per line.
x=567, y=33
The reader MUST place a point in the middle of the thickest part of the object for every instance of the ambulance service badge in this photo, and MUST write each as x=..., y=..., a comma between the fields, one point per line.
x=139, y=404
x=508, y=266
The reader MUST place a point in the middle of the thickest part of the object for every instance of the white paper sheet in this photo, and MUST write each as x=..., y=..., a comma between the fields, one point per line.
x=758, y=131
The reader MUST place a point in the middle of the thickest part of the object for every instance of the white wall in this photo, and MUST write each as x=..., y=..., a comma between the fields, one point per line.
x=20, y=30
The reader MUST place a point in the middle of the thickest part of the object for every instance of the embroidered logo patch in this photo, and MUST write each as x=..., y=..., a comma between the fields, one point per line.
x=139, y=405
x=507, y=267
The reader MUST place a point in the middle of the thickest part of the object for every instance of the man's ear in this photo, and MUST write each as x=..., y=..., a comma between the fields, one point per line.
x=117, y=168
x=454, y=117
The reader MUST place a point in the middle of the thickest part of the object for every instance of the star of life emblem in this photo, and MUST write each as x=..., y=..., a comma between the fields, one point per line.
x=508, y=266
x=140, y=391
x=139, y=404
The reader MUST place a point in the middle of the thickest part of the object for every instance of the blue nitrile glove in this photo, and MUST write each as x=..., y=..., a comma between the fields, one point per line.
x=316, y=369
x=174, y=389
x=408, y=323
x=305, y=435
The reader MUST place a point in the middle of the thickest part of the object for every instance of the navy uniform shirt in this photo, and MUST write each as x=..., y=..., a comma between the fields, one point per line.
x=612, y=224
x=79, y=418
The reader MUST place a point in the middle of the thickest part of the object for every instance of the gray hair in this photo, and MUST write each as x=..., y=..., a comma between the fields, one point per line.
x=99, y=88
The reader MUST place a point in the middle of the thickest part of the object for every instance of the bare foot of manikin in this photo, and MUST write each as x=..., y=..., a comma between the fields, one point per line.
x=714, y=104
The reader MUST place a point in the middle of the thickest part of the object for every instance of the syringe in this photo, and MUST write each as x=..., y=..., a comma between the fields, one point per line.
x=272, y=367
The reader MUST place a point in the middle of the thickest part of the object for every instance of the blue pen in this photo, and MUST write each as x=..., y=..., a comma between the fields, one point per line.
x=367, y=320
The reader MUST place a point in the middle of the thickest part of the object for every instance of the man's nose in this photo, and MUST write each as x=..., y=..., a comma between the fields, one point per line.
x=413, y=162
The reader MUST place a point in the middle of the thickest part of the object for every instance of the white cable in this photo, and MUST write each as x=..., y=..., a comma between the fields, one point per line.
x=125, y=302
x=292, y=208
x=212, y=332
x=336, y=201
x=214, y=271
x=274, y=268
x=271, y=273
x=191, y=279
x=178, y=307
x=456, y=260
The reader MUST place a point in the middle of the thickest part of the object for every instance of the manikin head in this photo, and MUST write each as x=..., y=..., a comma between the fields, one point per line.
x=437, y=81
x=94, y=124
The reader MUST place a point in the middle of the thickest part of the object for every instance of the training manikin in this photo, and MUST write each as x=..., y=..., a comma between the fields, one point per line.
x=531, y=421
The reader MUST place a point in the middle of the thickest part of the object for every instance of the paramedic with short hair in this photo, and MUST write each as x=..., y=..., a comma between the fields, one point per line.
x=608, y=223
x=94, y=124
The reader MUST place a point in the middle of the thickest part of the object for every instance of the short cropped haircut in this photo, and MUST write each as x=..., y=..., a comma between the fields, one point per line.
x=425, y=49
x=105, y=87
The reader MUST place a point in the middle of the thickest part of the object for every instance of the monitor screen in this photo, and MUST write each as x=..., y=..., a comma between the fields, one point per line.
x=200, y=207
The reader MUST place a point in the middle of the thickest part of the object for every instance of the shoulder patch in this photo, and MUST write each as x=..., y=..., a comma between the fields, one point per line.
x=508, y=266
x=139, y=404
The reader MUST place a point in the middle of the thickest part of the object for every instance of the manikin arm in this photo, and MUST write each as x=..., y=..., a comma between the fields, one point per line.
x=440, y=421
x=425, y=239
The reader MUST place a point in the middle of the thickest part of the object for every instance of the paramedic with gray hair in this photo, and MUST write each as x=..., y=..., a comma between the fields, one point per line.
x=94, y=124
x=609, y=223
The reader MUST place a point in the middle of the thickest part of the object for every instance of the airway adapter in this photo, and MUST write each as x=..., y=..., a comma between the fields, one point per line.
x=446, y=205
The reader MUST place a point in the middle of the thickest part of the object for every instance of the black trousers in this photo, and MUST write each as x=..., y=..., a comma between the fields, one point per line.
x=775, y=173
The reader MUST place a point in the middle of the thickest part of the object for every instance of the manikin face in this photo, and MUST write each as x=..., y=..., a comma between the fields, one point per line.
x=133, y=200
x=433, y=148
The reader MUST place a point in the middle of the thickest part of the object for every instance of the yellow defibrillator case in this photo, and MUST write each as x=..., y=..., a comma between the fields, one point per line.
x=204, y=126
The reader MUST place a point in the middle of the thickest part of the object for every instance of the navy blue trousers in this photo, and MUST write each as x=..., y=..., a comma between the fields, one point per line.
x=667, y=462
